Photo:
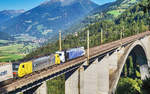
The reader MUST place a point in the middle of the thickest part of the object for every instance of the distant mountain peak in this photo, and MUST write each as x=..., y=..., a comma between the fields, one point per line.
x=65, y=2
x=62, y=2
x=51, y=15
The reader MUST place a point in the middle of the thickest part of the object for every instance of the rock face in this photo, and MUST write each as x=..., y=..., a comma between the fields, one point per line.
x=46, y=19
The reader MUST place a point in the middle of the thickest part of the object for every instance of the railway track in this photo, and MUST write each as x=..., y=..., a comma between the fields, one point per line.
x=95, y=51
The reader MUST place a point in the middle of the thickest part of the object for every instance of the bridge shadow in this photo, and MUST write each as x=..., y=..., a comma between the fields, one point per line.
x=3, y=90
x=32, y=90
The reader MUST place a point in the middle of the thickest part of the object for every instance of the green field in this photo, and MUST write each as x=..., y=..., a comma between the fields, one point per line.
x=14, y=51
x=119, y=10
x=10, y=57
x=115, y=12
x=10, y=52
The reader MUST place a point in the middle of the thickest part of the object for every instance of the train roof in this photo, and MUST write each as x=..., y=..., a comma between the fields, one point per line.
x=41, y=58
x=79, y=48
x=16, y=62
x=4, y=63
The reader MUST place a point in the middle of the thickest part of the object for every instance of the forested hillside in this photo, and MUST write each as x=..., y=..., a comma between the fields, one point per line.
x=108, y=11
x=134, y=20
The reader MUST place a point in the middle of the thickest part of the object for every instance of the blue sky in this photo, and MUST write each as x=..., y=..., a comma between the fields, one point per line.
x=28, y=4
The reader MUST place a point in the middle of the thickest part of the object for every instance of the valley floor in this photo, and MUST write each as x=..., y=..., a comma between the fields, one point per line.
x=11, y=51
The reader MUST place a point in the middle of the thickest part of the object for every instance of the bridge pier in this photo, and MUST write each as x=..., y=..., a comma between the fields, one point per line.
x=115, y=62
x=97, y=77
x=93, y=79
x=74, y=81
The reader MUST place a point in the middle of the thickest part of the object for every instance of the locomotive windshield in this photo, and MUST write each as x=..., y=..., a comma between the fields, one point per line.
x=15, y=66
x=60, y=54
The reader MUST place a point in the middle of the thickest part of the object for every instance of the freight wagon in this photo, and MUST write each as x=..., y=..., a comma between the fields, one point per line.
x=6, y=71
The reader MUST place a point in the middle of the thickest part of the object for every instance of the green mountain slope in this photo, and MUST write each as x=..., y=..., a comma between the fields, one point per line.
x=119, y=9
x=45, y=20
x=132, y=21
x=112, y=11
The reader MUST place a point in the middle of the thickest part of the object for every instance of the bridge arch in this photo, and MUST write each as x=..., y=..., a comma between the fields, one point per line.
x=140, y=50
x=142, y=57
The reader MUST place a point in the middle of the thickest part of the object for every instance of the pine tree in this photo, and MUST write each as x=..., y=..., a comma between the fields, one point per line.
x=125, y=70
x=131, y=69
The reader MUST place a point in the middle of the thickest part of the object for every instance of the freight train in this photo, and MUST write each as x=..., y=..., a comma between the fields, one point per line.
x=21, y=69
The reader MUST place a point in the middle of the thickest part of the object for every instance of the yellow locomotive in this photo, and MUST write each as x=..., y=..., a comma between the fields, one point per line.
x=24, y=68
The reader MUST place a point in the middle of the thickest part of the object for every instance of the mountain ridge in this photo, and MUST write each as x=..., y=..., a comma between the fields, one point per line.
x=46, y=19
x=9, y=14
x=108, y=11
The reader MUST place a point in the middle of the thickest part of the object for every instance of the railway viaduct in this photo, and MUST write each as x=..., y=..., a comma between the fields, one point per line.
x=99, y=76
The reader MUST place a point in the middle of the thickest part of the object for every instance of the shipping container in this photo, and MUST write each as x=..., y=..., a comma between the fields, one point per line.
x=74, y=53
x=6, y=71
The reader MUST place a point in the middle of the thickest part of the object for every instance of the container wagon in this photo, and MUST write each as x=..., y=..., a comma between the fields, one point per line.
x=6, y=71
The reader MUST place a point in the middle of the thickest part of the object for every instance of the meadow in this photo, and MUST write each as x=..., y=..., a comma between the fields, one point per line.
x=14, y=51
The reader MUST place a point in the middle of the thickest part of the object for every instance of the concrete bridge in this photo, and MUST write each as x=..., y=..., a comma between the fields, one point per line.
x=102, y=74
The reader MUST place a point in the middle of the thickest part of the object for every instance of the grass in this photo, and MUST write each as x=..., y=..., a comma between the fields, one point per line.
x=115, y=12
x=14, y=51
x=11, y=48
x=10, y=52
x=10, y=57
x=122, y=8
